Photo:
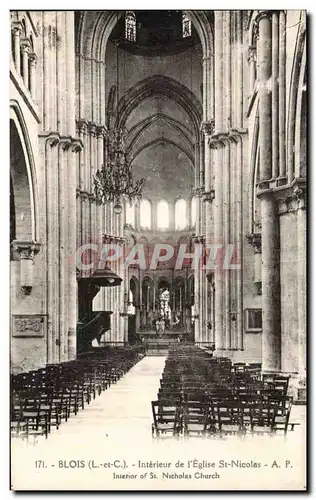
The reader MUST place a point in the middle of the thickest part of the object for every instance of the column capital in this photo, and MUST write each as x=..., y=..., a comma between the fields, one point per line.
x=16, y=27
x=33, y=58
x=290, y=198
x=208, y=127
x=198, y=238
x=26, y=249
x=198, y=192
x=101, y=131
x=65, y=142
x=263, y=14
x=76, y=145
x=252, y=54
x=209, y=195
x=25, y=45
x=82, y=126
x=92, y=128
x=255, y=240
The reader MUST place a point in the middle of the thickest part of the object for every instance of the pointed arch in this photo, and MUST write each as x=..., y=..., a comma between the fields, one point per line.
x=160, y=85
x=143, y=126
x=22, y=158
x=159, y=140
x=297, y=78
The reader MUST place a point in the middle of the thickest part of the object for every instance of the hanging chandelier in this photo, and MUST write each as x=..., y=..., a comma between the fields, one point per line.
x=114, y=182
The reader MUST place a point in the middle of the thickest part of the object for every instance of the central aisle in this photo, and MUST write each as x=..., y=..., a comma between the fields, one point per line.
x=112, y=437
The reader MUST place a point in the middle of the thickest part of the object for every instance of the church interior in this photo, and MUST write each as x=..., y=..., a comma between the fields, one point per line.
x=153, y=134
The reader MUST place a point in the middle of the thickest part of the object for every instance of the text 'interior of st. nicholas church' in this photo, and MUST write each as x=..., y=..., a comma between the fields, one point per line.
x=158, y=187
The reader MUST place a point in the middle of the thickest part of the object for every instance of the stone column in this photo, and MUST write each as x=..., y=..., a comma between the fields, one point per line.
x=275, y=95
x=208, y=129
x=271, y=323
x=25, y=46
x=17, y=40
x=197, y=298
x=271, y=306
x=227, y=88
x=301, y=282
x=33, y=61
x=218, y=239
x=202, y=294
x=27, y=251
x=240, y=68
x=50, y=142
x=265, y=101
x=252, y=61
x=218, y=39
x=226, y=240
x=171, y=215
x=282, y=93
x=240, y=152
x=63, y=247
x=137, y=215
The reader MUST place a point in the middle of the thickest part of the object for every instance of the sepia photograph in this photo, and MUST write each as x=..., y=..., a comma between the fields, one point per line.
x=158, y=250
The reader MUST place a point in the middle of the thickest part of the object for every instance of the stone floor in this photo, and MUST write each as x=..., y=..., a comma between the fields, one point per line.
x=112, y=437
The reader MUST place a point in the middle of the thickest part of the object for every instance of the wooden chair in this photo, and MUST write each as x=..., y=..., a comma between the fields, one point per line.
x=167, y=418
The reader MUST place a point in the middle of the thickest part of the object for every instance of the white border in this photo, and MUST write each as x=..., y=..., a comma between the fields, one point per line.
x=4, y=194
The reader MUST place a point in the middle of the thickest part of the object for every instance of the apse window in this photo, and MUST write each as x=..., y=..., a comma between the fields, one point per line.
x=253, y=320
x=162, y=215
x=186, y=26
x=145, y=214
x=181, y=220
x=130, y=26
x=130, y=214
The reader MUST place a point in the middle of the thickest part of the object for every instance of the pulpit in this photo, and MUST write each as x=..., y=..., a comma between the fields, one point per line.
x=92, y=324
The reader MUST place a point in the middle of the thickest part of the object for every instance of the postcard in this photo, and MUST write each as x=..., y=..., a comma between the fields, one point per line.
x=158, y=164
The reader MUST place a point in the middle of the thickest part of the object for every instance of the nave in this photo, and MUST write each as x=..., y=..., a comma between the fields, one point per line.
x=117, y=425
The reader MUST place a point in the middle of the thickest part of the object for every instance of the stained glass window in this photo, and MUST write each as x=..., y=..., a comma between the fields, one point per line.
x=130, y=26
x=130, y=214
x=145, y=214
x=181, y=214
x=162, y=215
x=186, y=26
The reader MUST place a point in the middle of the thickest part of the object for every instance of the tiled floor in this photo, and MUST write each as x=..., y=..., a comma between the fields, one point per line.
x=115, y=432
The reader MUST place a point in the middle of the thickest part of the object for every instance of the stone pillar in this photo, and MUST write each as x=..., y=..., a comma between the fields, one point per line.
x=226, y=240
x=208, y=129
x=50, y=157
x=275, y=95
x=76, y=147
x=197, y=298
x=227, y=94
x=271, y=324
x=17, y=40
x=63, y=247
x=218, y=239
x=240, y=152
x=240, y=68
x=25, y=46
x=197, y=163
x=33, y=61
x=137, y=215
x=301, y=282
x=27, y=251
x=171, y=215
x=218, y=40
x=265, y=101
x=252, y=61
x=282, y=93
x=271, y=306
